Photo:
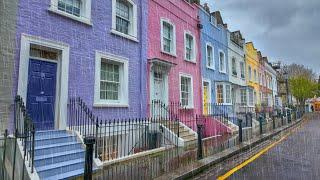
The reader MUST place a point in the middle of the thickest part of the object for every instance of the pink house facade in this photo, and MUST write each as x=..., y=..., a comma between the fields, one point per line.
x=174, y=55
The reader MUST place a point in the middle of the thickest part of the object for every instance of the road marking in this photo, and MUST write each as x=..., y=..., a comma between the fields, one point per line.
x=229, y=173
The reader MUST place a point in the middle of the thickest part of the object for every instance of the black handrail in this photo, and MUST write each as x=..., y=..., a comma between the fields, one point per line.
x=82, y=120
x=25, y=131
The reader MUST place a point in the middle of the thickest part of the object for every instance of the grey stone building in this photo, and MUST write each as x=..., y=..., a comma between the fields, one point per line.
x=8, y=16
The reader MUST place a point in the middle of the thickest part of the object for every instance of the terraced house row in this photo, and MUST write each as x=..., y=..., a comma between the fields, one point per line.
x=81, y=65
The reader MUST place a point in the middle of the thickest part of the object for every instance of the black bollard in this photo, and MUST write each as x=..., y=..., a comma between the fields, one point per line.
x=200, y=155
x=240, y=130
x=89, y=142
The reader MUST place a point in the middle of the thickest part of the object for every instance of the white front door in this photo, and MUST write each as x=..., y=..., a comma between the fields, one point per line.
x=158, y=94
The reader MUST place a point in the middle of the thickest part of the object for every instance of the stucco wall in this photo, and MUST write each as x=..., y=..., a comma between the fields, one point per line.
x=185, y=18
x=217, y=36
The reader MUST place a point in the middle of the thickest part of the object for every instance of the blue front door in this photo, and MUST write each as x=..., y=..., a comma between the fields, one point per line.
x=41, y=93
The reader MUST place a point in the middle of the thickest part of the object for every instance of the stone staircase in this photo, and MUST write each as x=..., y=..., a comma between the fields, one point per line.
x=185, y=133
x=58, y=155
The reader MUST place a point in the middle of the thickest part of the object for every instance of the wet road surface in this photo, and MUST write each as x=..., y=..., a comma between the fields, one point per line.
x=297, y=157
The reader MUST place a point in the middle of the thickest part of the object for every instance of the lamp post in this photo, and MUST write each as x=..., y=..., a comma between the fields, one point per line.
x=287, y=86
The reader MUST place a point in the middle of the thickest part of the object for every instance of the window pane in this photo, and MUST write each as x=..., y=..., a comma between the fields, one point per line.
x=110, y=81
x=185, y=91
x=228, y=94
x=122, y=17
x=221, y=61
x=209, y=56
x=220, y=93
x=70, y=6
x=167, y=37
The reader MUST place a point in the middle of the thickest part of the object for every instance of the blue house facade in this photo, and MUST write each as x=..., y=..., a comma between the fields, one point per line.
x=214, y=59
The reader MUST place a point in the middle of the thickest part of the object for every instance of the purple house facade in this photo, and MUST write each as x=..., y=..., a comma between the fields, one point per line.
x=92, y=49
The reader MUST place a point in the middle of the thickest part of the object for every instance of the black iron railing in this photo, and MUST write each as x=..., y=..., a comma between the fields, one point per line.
x=25, y=132
x=82, y=120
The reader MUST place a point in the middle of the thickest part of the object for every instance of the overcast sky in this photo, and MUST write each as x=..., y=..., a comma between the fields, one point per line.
x=286, y=30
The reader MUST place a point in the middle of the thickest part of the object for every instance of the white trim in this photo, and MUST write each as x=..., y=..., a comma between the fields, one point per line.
x=62, y=87
x=191, y=105
x=174, y=48
x=209, y=89
x=124, y=99
x=85, y=11
x=213, y=61
x=224, y=62
x=133, y=30
x=194, y=46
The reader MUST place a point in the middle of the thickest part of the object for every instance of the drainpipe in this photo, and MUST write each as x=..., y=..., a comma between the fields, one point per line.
x=142, y=70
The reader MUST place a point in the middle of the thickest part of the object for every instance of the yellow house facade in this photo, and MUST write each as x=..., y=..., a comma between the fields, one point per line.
x=252, y=71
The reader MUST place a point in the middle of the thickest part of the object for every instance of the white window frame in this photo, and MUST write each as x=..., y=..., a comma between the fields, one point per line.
x=212, y=58
x=243, y=97
x=124, y=89
x=242, y=70
x=209, y=95
x=174, y=48
x=255, y=76
x=224, y=93
x=85, y=11
x=251, y=98
x=224, y=62
x=194, y=47
x=191, y=102
x=132, y=35
x=234, y=66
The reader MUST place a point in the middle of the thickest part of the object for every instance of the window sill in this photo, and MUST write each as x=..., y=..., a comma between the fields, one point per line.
x=116, y=105
x=212, y=68
x=167, y=53
x=132, y=38
x=187, y=107
x=191, y=61
x=223, y=72
x=79, y=19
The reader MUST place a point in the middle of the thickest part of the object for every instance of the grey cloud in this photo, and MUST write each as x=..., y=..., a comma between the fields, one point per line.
x=284, y=30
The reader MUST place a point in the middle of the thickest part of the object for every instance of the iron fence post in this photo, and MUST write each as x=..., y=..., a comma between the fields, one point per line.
x=200, y=155
x=260, y=123
x=4, y=152
x=32, y=152
x=274, y=122
x=282, y=119
x=89, y=142
x=96, y=144
x=240, y=130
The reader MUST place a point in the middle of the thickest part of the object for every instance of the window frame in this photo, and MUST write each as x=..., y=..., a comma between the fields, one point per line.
x=234, y=66
x=174, y=43
x=193, y=50
x=133, y=30
x=224, y=62
x=190, y=97
x=85, y=11
x=242, y=70
x=212, y=58
x=124, y=83
x=243, y=97
x=224, y=93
